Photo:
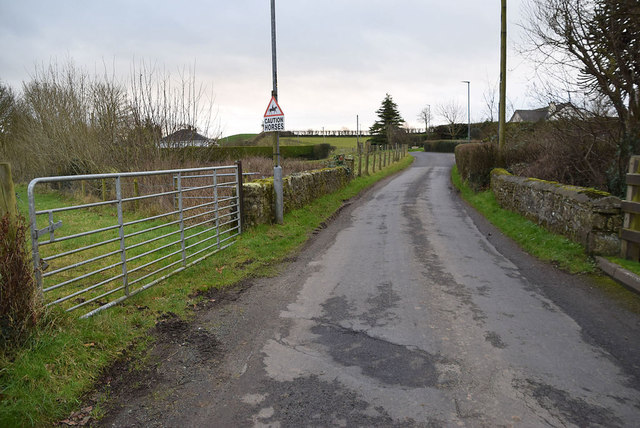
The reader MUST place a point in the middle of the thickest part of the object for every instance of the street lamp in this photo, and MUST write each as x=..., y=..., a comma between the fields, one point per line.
x=468, y=109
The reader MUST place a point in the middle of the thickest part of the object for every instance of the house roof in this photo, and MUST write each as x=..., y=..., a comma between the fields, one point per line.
x=530, y=115
x=544, y=113
x=184, y=135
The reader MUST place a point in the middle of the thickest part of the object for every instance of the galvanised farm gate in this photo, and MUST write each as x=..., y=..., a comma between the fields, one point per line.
x=122, y=233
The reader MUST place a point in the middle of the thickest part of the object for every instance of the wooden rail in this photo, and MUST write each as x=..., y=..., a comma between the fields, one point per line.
x=630, y=233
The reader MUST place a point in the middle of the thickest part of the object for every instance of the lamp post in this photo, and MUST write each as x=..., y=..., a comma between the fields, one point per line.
x=468, y=109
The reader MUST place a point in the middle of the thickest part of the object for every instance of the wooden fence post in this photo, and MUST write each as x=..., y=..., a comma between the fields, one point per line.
x=241, y=212
x=359, y=159
x=104, y=189
x=8, y=195
x=136, y=192
x=366, y=162
x=375, y=160
x=631, y=225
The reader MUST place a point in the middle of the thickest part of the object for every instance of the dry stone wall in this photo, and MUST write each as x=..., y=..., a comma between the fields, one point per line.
x=587, y=216
x=298, y=190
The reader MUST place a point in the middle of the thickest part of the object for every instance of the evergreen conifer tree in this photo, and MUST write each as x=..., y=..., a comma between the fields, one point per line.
x=388, y=123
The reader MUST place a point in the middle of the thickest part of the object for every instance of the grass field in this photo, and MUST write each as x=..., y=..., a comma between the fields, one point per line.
x=343, y=145
x=154, y=246
x=233, y=139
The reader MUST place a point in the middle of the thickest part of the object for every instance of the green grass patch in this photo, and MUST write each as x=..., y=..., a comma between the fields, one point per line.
x=534, y=239
x=237, y=138
x=342, y=144
x=629, y=265
x=43, y=380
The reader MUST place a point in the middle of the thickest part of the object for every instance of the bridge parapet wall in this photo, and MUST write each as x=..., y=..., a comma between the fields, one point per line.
x=587, y=216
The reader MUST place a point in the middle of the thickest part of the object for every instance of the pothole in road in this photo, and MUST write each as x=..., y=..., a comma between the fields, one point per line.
x=384, y=361
x=379, y=313
x=561, y=404
x=309, y=401
x=173, y=330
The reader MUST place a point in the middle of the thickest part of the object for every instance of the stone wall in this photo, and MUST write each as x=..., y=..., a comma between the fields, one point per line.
x=587, y=216
x=298, y=190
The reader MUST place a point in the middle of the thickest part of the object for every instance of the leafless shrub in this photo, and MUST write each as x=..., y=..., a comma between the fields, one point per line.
x=71, y=123
x=570, y=151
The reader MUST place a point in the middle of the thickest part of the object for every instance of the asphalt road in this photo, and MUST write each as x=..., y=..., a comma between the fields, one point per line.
x=407, y=310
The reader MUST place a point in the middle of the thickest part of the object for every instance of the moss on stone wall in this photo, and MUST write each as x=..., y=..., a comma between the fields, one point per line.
x=588, y=216
x=298, y=190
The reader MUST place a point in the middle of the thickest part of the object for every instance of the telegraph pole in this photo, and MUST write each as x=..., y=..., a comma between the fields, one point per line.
x=503, y=78
x=277, y=169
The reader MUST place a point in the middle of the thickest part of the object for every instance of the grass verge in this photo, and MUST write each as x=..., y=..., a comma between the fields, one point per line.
x=535, y=240
x=43, y=380
x=629, y=265
x=549, y=247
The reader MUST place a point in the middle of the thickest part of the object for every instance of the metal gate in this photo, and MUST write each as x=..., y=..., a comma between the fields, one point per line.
x=122, y=233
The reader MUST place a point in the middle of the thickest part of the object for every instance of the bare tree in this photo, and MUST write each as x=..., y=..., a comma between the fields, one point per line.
x=594, y=45
x=7, y=105
x=490, y=97
x=453, y=114
x=67, y=121
x=426, y=117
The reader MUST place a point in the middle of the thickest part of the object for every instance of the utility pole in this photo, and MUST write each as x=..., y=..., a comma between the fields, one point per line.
x=277, y=169
x=503, y=78
x=468, y=110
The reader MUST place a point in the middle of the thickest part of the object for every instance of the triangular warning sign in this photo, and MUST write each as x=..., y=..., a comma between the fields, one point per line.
x=273, y=109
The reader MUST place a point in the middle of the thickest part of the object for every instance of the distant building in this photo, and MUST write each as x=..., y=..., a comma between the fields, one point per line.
x=186, y=138
x=552, y=112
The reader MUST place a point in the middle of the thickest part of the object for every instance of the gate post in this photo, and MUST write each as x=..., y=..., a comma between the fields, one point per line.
x=240, y=193
x=8, y=193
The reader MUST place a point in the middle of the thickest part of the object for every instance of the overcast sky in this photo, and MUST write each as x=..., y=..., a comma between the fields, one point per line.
x=336, y=58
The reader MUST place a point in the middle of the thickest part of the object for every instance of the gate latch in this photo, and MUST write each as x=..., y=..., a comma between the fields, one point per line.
x=49, y=229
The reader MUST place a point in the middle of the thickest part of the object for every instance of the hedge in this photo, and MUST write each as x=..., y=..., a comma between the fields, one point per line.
x=442, y=146
x=475, y=162
x=214, y=154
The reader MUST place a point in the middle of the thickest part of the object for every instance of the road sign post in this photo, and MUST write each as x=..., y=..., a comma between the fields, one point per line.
x=277, y=170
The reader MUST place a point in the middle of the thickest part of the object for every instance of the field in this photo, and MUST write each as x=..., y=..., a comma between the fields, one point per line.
x=343, y=145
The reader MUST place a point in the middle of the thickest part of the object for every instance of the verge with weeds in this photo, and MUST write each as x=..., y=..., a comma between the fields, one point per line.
x=535, y=240
x=549, y=247
x=44, y=380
